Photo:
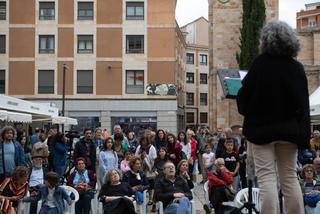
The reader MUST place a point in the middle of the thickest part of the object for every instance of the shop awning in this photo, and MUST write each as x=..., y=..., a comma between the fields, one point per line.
x=15, y=117
x=38, y=111
x=64, y=120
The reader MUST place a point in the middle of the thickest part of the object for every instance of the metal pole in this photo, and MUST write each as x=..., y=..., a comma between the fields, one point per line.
x=63, y=92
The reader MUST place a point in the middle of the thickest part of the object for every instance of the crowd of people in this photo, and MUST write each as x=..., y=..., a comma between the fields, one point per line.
x=121, y=167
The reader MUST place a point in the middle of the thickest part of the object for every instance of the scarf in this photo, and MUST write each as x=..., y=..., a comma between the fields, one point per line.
x=137, y=175
x=81, y=177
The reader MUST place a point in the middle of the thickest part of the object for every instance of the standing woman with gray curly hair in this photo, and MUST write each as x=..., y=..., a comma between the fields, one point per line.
x=274, y=101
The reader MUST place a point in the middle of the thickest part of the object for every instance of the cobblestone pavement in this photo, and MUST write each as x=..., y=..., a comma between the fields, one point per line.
x=198, y=197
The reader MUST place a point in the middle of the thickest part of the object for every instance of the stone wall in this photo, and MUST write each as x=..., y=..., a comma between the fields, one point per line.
x=225, y=21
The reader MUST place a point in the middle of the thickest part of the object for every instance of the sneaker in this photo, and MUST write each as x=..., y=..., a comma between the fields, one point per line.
x=207, y=208
x=153, y=210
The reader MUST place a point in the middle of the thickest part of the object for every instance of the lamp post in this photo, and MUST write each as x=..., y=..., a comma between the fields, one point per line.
x=63, y=91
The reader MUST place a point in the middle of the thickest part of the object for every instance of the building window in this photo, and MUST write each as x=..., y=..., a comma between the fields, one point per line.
x=189, y=77
x=203, y=99
x=46, y=44
x=135, y=44
x=85, y=10
x=203, y=79
x=2, y=44
x=2, y=81
x=3, y=10
x=190, y=58
x=203, y=59
x=46, y=10
x=84, y=81
x=46, y=82
x=190, y=117
x=312, y=23
x=135, y=10
x=134, y=82
x=203, y=117
x=85, y=43
x=190, y=99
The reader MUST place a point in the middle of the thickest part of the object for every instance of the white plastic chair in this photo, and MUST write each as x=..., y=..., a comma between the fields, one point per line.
x=71, y=209
x=243, y=196
x=94, y=202
x=206, y=192
x=24, y=207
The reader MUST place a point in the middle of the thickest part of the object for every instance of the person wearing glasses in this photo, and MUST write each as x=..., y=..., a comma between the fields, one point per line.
x=310, y=188
x=173, y=191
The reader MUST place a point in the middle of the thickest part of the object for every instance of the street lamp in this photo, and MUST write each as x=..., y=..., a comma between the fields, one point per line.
x=63, y=91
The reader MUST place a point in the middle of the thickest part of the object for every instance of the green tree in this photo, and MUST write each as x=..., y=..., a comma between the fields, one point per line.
x=253, y=18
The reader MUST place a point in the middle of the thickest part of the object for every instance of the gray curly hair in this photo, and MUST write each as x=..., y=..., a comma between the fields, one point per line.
x=107, y=176
x=277, y=38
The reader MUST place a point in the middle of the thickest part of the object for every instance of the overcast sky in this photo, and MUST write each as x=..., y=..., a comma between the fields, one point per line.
x=189, y=10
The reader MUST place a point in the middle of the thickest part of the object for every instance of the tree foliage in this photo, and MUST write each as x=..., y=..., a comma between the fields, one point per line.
x=253, y=18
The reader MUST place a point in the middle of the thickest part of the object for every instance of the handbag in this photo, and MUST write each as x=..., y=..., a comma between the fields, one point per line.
x=311, y=199
x=229, y=193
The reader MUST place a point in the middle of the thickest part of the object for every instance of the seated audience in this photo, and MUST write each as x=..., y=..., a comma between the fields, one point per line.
x=51, y=194
x=36, y=179
x=13, y=189
x=173, y=191
x=310, y=188
x=117, y=197
x=124, y=165
x=183, y=171
x=136, y=178
x=84, y=181
x=159, y=162
x=218, y=180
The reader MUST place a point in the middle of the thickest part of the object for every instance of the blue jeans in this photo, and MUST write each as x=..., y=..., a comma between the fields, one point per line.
x=236, y=183
x=183, y=207
x=47, y=210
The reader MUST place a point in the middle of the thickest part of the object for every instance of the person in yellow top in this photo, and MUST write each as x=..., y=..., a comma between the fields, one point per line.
x=315, y=140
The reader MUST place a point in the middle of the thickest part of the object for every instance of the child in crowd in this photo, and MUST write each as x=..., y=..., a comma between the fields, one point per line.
x=208, y=159
x=51, y=194
x=124, y=165
x=232, y=162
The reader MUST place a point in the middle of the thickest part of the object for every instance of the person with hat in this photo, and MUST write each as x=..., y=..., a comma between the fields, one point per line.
x=36, y=178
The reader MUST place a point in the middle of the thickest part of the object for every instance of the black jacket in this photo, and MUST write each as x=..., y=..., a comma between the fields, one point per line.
x=164, y=190
x=274, y=101
x=80, y=150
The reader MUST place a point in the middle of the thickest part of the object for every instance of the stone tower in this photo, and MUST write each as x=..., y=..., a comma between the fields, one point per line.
x=225, y=21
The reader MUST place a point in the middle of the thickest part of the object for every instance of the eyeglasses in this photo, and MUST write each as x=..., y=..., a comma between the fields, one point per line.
x=169, y=167
x=308, y=170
